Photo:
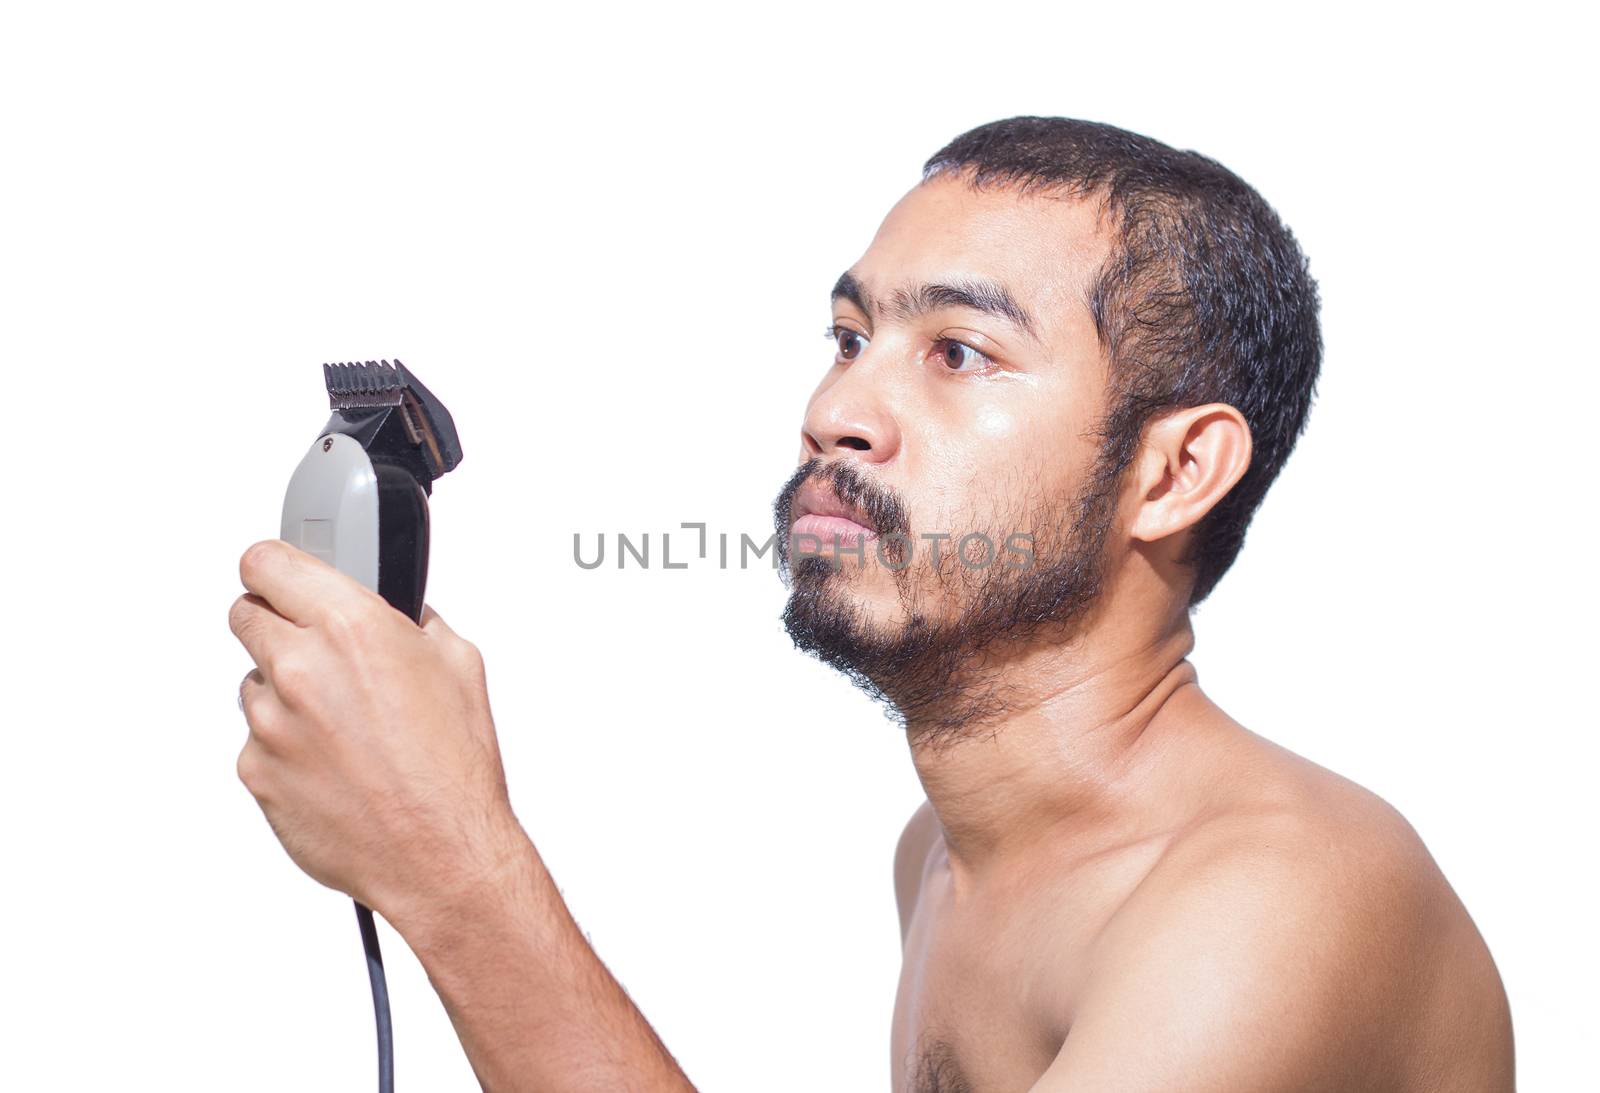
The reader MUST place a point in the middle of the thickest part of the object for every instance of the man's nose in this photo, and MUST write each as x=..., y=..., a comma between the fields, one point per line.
x=851, y=415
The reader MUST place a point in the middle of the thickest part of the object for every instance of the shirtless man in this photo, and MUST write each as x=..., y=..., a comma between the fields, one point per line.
x=1066, y=370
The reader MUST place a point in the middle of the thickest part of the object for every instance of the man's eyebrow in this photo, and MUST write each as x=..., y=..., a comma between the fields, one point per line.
x=848, y=288
x=989, y=297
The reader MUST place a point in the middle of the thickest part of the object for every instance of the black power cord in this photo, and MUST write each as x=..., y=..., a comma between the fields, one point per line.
x=380, y=998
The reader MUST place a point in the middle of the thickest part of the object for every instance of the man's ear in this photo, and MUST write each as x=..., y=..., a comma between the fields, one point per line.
x=1190, y=459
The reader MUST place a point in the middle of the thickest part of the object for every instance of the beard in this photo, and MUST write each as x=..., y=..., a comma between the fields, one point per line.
x=937, y=669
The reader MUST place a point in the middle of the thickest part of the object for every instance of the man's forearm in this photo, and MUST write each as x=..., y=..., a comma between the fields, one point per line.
x=533, y=1005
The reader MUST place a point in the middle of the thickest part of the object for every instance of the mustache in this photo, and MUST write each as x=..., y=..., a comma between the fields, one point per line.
x=878, y=503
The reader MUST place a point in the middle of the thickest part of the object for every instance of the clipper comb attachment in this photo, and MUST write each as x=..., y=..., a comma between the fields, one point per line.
x=364, y=397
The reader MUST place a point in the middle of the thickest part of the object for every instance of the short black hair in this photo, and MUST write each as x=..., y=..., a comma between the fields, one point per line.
x=1205, y=297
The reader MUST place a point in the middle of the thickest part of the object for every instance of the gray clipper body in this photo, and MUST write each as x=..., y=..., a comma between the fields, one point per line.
x=359, y=499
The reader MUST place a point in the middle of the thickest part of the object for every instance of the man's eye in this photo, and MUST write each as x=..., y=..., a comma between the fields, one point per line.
x=959, y=356
x=851, y=345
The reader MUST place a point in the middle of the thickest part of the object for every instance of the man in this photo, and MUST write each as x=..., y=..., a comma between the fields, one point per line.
x=1067, y=369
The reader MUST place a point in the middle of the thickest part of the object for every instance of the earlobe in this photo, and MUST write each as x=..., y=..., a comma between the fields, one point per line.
x=1190, y=460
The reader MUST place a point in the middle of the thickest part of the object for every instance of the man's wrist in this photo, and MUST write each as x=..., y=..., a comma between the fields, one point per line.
x=501, y=877
x=534, y=1006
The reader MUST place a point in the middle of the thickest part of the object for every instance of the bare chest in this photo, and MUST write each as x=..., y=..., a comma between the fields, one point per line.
x=991, y=977
x=979, y=1006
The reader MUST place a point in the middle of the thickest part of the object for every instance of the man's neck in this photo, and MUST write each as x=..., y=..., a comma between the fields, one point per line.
x=1085, y=723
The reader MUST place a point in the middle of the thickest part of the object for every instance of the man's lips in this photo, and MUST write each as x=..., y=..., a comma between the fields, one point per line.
x=819, y=511
x=832, y=529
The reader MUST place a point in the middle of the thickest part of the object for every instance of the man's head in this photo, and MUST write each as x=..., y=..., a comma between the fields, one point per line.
x=1081, y=355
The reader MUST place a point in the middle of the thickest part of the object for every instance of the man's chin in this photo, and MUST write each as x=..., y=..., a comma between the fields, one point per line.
x=854, y=620
x=868, y=592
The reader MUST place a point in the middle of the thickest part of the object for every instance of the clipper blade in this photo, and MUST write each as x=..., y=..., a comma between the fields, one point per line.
x=358, y=386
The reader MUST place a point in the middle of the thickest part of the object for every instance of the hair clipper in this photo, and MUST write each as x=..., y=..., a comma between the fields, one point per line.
x=359, y=501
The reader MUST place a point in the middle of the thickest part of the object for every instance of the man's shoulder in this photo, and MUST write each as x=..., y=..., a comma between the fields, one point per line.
x=1309, y=858
x=1313, y=908
x=1302, y=838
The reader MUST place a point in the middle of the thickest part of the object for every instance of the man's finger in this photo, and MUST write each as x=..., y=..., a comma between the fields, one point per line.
x=253, y=683
x=432, y=623
x=461, y=652
x=259, y=628
x=300, y=587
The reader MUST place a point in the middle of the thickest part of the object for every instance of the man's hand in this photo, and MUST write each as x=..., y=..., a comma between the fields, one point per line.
x=373, y=755
x=371, y=750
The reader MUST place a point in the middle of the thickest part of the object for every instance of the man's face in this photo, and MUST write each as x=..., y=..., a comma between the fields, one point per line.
x=965, y=390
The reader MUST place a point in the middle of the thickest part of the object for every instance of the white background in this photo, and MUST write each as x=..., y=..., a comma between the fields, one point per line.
x=605, y=237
